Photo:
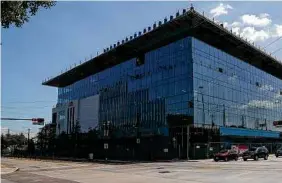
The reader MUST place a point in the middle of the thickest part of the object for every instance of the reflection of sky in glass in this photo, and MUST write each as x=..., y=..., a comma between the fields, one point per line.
x=223, y=88
x=238, y=92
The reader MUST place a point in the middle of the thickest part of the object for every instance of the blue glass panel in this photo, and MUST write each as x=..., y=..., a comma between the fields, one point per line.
x=247, y=132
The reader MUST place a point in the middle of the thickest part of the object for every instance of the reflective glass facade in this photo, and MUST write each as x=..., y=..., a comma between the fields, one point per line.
x=151, y=91
x=187, y=78
x=233, y=92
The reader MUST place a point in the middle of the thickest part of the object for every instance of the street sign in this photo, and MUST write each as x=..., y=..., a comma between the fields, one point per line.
x=166, y=150
x=106, y=146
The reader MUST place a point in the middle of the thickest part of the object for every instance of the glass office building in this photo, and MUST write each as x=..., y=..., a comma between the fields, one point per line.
x=186, y=79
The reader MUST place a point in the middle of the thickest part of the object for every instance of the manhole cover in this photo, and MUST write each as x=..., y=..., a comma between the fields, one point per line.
x=164, y=172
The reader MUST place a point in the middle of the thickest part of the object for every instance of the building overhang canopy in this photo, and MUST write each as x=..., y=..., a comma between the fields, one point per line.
x=191, y=23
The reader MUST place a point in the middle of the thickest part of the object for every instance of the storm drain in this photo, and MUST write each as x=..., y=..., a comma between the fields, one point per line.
x=160, y=168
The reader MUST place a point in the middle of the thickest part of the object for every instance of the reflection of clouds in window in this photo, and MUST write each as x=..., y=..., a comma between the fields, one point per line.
x=195, y=93
x=62, y=115
x=266, y=88
x=278, y=96
x=263, y=104
x=233, y=78
x=93, y=80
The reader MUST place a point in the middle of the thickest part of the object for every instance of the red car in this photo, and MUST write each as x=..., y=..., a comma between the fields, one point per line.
x=226, y=155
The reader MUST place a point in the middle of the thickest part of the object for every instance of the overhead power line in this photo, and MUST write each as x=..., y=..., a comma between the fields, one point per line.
x=272, y=42
x=28, y=102
x=276, y=50
x=24, y=107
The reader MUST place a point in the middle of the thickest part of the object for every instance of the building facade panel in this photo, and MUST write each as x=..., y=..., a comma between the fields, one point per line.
x=231, y=92
x=88, y=113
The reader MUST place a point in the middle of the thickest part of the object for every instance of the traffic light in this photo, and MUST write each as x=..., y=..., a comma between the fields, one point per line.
x=37, y=121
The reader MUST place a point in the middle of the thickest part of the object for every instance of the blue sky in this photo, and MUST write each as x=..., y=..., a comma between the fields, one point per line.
x=55, y=39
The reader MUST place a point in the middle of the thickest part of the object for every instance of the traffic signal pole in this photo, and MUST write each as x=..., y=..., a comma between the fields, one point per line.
x=35, y=121
x=14, y=119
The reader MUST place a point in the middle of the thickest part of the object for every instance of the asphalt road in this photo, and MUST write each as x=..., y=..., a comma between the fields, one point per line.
x=6, y=181
x=203, y=171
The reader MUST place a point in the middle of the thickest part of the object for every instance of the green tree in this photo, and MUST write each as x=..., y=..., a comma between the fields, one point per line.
x=19, y=12
x=63, y=146
x=4, y=142
x=91, y=139
x=13, y=141
x=75, y=137
x=46, y=138
x=31, y=147
x=16, y=140
x=40, y=140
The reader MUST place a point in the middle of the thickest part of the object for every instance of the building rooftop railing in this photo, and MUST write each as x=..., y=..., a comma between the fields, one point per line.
x=157, y=26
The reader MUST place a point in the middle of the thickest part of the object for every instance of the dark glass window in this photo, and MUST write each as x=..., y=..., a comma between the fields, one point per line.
x=220, y=70
x=140, y=60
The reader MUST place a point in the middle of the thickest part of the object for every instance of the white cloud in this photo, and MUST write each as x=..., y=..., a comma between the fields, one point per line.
x=253, y=27
x=4, y=129
x=278, y=30
x=236, y=24
x=225, y=24
x=221, y=9
x=258, y=21
x=254, y=35
x=264, y=15
x=236, y=30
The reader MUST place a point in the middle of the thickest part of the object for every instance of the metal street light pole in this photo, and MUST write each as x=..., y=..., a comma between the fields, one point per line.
x=106, y=126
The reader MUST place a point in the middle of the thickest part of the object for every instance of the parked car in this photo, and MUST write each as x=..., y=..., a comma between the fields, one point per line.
x=255, y=153
x=226, y=155
x=278, y=152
